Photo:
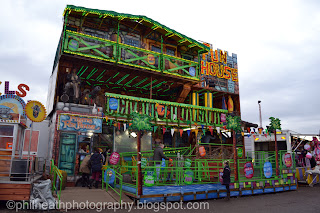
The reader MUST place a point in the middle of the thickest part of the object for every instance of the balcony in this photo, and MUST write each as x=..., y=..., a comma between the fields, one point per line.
x=118, y=53
x=169, y=114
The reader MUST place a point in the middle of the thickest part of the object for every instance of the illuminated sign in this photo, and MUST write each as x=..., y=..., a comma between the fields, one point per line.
x=215, y=65
x=79, y=123
x=22, y=88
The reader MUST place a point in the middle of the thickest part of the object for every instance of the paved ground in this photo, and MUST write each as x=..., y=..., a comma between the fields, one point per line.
x=305, y=199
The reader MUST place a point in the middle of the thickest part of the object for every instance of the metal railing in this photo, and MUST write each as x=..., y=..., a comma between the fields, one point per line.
x=174, y=113
x=109, y=172
x=112, y=51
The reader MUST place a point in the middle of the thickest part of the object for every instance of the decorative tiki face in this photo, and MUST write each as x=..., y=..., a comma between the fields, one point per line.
x=36, y=110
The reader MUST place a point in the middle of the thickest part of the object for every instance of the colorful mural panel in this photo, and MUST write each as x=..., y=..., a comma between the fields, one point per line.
x=11, y=106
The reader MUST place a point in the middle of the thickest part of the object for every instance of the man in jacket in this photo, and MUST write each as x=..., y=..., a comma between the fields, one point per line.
x=96, y=166
x=157, y=157
x=226, y=178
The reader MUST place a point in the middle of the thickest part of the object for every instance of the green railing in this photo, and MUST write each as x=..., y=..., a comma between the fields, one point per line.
x=258, y=159
x=173, y=173
x=56, y=180
x=118, y=180
x=107, y=50
x=174, y=113
x=204, y=170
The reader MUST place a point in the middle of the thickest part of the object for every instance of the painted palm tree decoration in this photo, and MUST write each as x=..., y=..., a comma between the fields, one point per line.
x=234, y=123
x=274, y=125
x=140, y=122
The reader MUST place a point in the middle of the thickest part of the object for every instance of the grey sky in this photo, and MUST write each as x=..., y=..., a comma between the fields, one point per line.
x=277, y=43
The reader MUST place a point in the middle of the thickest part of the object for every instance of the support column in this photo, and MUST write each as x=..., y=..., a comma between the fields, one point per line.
x=139, y=163
x=235, y=166
x=195, y=101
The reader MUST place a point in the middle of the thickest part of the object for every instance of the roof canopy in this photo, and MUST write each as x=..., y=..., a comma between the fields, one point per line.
x=156, y=26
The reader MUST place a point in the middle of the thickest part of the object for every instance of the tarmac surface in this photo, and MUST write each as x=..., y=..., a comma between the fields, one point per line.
x=305, y=199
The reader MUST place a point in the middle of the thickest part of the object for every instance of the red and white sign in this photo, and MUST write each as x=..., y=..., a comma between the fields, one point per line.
x=114, y=158
x=248, y=170
x=287, y=160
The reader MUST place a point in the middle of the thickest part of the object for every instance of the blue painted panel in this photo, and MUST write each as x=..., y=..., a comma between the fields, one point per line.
x=246, y=192
x=212, y=195
x=201, y=196
x=279, y=189
x=268, y=190
x=258, y=191
x=293, y=187
x=173, y=198
x=223, y=194
x=234, y=193
x=188, y=197
x=286, y=188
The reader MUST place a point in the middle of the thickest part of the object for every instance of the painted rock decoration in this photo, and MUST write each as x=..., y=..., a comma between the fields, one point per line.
x=187, y=163
x=188, y=177
x=114, y=158
x=113, y=104
x=202, y=151
x=110, y=174
x=144, y=162
x=240, y=152
x=248, y=170
x=149, y=178
x=267, y=169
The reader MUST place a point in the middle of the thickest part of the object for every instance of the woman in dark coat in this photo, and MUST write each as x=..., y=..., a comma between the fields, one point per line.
x=96, y=166
x=226, y=178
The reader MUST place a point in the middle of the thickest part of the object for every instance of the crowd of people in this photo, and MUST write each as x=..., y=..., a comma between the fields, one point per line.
x=92, y=165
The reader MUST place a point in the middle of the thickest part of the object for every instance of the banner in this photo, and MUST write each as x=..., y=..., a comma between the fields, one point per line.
x=80, y=123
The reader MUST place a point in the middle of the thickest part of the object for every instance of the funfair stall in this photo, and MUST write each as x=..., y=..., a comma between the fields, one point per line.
x=17, y=164
x=149, y=84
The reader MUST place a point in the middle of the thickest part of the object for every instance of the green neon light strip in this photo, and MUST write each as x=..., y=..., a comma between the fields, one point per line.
x=88, y=83
x=124, y=77
x=92, y=73
x=158, y=85
x=149, y=84
x=137, y=84
x=127, y=84
x=116, y=75
x=80, y=70
x=101, y=75
x=83, y=71
x=108, y=79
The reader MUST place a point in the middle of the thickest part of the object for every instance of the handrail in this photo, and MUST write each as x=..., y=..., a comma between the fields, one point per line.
x=106, y=182
x=55, y=172
x=125, y=48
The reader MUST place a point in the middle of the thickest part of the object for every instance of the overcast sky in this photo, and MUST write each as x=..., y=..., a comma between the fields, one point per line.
x=277, y=43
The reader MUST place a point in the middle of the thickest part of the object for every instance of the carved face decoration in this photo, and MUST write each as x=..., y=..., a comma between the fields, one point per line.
x=36, y=110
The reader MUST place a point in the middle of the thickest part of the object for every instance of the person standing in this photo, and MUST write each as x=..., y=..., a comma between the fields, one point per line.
x=96, y=166
x=157, y=157
x=85, y=170
x=226, y=178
